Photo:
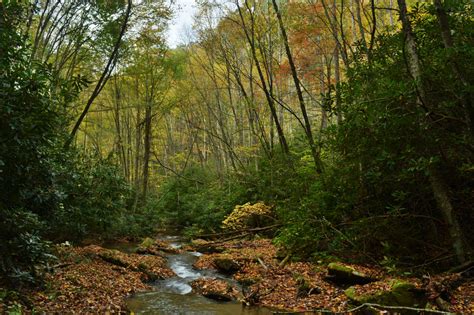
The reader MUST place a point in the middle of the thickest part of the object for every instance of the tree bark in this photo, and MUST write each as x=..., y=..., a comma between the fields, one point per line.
x=294, y=74
x=438, y=185
x=147, y=151
x=270, y=101
x=104, y=77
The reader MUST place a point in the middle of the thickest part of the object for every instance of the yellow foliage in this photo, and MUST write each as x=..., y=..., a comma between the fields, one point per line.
x=244, y=215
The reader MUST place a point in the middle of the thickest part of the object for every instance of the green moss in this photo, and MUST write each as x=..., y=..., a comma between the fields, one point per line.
x=340, y=267
x=147, y=243
x=351, y=293
x=347, y=275
x=401, y=293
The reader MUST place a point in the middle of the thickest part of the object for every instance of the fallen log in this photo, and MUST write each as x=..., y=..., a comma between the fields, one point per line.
x=252, y=230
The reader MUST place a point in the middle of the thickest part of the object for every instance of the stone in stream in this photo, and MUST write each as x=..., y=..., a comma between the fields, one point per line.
x=215, y=289
x=226, y=264
x=344, y=274
x=151, y=246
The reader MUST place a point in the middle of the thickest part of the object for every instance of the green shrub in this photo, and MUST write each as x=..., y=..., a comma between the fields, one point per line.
x=24, y=254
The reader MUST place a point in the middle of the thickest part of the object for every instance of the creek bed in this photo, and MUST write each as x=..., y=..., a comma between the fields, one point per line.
x=175, y=296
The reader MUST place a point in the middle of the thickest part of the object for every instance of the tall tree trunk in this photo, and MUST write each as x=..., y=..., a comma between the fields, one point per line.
x=440, y=191
x=118, y=128
x=438, y=185
x=337, y=78
x=138, y=142
x=147, y=151
x=104, y=77
x=361, y=25
x=294, y=74
x=270, y=101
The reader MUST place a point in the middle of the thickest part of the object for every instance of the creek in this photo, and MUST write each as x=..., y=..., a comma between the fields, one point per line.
x=175, y=296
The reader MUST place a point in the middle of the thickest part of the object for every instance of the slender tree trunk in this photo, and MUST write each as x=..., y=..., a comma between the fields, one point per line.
x=438, y=185
x=294, y=74
x=361, y=25
x=118, y=128
x=337, y=78
x=270, y=101
x=138, y=141
x=147, y=151
x=104, y=77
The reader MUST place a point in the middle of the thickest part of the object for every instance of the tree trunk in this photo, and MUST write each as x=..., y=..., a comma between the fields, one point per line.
x=103, y=78
x=294, y=74
x=270, y=101
x=438, y=185
x=147, y=151
x=441, y=194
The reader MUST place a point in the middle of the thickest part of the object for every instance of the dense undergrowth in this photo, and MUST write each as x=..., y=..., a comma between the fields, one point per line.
x=49, y=192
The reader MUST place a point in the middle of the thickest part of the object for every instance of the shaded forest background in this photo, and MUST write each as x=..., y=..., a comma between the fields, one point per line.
x=354, y=119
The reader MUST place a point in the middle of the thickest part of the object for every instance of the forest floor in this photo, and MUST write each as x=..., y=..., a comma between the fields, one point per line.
x=304, y=286
x=93, y=279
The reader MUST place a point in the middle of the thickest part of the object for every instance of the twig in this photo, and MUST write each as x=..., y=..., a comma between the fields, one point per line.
x=63, y=265
x=376, y=306
x=262, y=263
x=285, y=260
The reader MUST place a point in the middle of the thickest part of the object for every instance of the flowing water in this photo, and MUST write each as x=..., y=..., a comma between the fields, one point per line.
x=175, y=296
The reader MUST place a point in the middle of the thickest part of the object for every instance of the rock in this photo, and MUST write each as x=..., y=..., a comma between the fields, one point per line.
x=147, y=243
x=305, y=287
x=215, y=289
x=150, y=246
x=343, y=274
x=398, y=293
x=113, y=257
x=206, y=247
x=226, y=264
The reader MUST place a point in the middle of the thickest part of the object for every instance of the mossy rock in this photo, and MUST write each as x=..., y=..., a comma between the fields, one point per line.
x=206, y=247
x=151, y=246
x=216, y=289
x=147, y=243
x=113, y=257
x=401, y=293
x=226, y=264
x=343, y=274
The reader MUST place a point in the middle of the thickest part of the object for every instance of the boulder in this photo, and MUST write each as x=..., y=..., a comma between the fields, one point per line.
x=226, y=264
x=215, y=289
x=398, y=293
x=150, y=246
x=344, y=274
x=206, y=247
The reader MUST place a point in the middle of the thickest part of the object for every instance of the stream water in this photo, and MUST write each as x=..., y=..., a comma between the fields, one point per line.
x=175, y=296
